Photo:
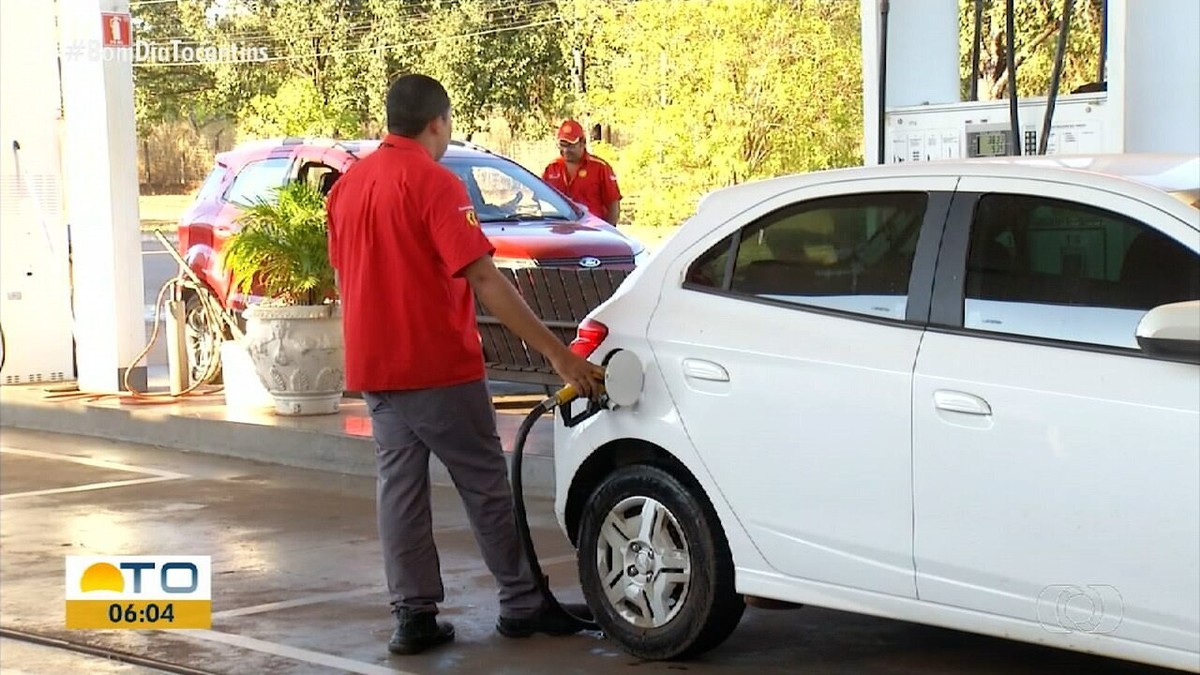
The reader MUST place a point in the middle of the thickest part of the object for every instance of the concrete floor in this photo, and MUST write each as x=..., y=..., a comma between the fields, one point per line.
x=23, y=658
x=298, y=589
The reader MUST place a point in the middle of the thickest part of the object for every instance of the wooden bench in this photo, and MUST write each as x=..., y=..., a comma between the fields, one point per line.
x=561, y=298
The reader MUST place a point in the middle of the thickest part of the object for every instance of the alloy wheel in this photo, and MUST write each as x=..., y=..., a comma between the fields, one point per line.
x=643, y=558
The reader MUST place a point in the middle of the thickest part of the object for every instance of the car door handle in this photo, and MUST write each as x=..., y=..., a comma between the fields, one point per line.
x=960, y=402
x=705, y=370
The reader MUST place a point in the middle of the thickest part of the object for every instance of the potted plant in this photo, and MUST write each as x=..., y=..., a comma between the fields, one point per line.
x=294, y=336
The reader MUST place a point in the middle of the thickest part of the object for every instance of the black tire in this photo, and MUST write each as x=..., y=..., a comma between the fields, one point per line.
x=702, y=613
x=198, y=330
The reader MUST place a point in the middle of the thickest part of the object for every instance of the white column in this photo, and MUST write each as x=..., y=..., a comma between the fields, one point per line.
x=869, y=17
x=1159, y=74
x=922, y=59
x=100, y=167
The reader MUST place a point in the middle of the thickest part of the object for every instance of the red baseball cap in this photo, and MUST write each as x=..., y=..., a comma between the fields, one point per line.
x=570, y=131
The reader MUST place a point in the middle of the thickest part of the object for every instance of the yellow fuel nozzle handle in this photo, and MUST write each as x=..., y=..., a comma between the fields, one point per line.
x=561, y=397
x=564, y=396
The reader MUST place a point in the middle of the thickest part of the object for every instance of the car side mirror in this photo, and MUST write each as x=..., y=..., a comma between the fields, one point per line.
x=1172, y=331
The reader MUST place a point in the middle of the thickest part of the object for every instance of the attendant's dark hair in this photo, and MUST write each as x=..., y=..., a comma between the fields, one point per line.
x=413, y=101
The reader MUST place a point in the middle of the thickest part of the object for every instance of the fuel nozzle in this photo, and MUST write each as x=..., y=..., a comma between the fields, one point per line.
x=622, y=383
x=562, y=397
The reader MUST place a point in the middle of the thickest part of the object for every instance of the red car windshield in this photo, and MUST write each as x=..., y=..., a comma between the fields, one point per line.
x=505, y=191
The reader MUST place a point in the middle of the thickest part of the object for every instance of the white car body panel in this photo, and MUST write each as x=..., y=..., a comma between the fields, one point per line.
x=653, y=419
x=790, y=589
x=1074, y=441
x=830, y=497
x=989, y=522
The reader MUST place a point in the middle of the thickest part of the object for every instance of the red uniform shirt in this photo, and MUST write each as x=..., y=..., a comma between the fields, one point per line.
x=401, y=230
x=594, y=185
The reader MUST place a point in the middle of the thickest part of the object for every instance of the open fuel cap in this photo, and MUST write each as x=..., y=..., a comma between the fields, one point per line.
x=623, y=378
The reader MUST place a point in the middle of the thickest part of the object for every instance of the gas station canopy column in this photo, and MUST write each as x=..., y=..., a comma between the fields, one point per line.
x=100, y=166
x=82, y=150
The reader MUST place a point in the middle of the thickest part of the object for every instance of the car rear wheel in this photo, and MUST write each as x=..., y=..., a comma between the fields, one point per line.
x=655, y=567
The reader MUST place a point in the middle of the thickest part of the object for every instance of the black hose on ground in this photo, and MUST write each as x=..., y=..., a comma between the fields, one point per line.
x=522, y=518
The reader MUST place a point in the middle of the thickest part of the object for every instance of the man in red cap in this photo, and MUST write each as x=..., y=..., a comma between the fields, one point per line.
x=582, y=176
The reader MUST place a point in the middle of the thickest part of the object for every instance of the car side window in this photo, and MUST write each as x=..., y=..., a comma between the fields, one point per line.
x=212, y=184
x=318, y=176
x=850, y=253
x=708, y=271
x=502, y=193
x=257, y=180
x=1049, y=268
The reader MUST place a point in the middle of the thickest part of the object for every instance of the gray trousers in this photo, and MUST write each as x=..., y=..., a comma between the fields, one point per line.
x=458, y=424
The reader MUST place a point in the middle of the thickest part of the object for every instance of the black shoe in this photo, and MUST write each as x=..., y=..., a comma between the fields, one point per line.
x=551, y=621
x=416, y=632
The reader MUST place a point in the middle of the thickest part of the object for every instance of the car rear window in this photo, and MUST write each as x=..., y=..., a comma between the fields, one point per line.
x=211, y=187
x=256, y=181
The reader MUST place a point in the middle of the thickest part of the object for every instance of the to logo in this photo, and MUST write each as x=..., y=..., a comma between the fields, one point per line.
x=589, y=262
x=1066, y=608
x=138, y=591
x=173, y=577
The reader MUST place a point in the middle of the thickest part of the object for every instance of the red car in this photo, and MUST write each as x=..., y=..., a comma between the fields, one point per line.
x=529, y=222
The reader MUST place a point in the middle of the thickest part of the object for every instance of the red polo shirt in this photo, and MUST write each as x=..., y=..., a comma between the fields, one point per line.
x=594, y=185
x=401, y=230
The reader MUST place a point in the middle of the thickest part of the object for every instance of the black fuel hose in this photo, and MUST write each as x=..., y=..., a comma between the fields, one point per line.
x=518, y=452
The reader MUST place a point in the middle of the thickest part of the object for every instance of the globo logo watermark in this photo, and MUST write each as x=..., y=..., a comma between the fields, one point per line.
x=1071, y=608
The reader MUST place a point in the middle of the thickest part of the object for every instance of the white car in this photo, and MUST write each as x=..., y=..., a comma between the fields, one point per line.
x=965, y=394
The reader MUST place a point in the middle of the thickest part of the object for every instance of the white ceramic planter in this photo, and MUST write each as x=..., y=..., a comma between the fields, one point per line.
x=299, y=356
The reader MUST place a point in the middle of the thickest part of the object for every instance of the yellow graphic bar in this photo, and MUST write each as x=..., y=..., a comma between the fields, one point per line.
x=139, y=614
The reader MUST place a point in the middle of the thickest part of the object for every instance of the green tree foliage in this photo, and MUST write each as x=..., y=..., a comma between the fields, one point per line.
x=713, y=93
x=1035, y=39
x=697, y=94
x=295, y=109
x=497, y=58
x=321, y=59
x=164, y=93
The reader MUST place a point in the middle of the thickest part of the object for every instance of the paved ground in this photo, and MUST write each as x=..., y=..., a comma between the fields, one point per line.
x=23, y=658
x=298, y=589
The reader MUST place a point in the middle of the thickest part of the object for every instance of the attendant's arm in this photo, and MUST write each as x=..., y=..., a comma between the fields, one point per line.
x=614, y=212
